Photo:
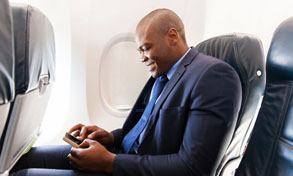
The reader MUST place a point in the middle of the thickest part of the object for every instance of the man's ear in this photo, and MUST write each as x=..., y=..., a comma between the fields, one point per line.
x=173, y=36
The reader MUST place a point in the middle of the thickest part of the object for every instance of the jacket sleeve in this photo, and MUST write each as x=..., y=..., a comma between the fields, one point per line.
x=118, y=136
x=212, y=113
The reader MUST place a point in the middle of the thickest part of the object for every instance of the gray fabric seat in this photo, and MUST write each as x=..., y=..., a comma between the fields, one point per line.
x=6, y=63
x=243, y=52
x=34, y=73
x=270, y=151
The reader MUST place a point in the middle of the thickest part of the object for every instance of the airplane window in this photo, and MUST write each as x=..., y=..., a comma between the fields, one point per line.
x=122, y=75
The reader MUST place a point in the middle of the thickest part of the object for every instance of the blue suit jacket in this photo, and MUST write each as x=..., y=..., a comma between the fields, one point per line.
x=191, y=124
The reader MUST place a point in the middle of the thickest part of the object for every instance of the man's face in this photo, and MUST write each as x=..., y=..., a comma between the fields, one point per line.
x=155, y=50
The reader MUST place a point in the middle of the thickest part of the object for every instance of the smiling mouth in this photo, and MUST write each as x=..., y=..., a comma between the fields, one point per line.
x=150, y=64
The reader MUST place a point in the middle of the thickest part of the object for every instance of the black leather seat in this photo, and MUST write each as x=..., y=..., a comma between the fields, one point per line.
x=34, y=73
x=245, y=54
x=6, y=63
x=270, y=151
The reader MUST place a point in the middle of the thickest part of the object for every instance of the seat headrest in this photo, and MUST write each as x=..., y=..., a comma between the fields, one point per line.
x=280, y=55
x=237, y=50
x=6, y=54
x=34, y=48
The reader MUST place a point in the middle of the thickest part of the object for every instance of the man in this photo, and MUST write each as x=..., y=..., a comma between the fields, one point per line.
x=180, y=125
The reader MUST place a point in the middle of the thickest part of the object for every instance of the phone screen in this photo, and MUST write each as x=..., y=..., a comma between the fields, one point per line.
x=72, y=140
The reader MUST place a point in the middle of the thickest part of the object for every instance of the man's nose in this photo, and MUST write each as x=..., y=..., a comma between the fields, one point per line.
x=144, y=58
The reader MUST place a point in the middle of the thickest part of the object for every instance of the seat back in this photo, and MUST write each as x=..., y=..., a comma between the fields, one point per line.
x=34, y=72
x=245, y=54
x=6, y=63
x=270, y=151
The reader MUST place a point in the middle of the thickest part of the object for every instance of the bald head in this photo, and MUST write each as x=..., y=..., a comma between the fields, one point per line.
x=161, y=40
x=161, y=21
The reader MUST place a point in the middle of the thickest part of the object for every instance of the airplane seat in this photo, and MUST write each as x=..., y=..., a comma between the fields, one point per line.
x=34, y=73
x=270, y=151
x=6, y=63
x=245, y=54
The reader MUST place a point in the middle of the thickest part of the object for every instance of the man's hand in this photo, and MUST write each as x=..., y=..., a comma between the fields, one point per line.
x=92, y=132
x=92, y=157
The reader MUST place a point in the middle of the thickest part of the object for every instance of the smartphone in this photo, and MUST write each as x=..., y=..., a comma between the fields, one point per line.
x=72, y=140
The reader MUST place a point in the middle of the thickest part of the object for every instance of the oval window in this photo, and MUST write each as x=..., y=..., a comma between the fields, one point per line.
x=122, y=75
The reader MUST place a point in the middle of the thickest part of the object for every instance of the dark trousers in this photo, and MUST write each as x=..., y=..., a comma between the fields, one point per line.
x=47, y=161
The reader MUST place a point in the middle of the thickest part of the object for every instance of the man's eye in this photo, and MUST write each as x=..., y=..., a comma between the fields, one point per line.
x=142, y=50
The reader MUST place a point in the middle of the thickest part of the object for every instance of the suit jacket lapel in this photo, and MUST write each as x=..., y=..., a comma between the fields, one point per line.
x=169, y=86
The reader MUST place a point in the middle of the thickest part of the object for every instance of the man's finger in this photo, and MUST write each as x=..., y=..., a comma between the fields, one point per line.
x=97, y=134
x=93, y=135
x=75, y=127
x=85, y=144
x=83, y=133
x=77, y=153
x=92, y=128
x=75, y=133
x=73, y=162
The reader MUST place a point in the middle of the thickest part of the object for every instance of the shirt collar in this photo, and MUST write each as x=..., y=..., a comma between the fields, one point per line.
x=175, y=66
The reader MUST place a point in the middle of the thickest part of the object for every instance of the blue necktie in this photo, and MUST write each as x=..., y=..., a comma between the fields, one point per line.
x=133, y=134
